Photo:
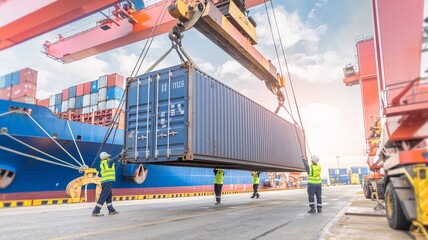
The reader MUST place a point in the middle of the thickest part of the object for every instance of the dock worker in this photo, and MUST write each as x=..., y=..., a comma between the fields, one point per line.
x=108, y=177
x=314, y=183
x=256, y=182
x=218, y=184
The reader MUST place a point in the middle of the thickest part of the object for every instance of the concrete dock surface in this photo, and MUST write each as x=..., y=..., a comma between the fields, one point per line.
x=275, y=215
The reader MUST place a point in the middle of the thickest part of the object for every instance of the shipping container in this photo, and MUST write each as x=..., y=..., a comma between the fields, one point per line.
x=72, y=91
x=102, y=83
x=15, y=78
x=102, y=94
x=93, y=108
x=43, y=102
x=344, y=179
x=114, y=93
x=87, y=88
x=52, y=108
x=64, y=106
x=115, y=80
x=72, y=103
x=85, y=110
x=337, y=171
x=192, y=119
x=8, y=80
x=94, y=86
x=65, y=94
x=79, y=102
x=28, y=75
x=58, y=98
x=57, y=108
x=86, y=100
x=5, y=93
x=79, y=90
x=102, y=105
x=2, y=82
x=25, y=99
x=112, y=104
x=360, y=170
x=94, y=99
x=52, y=101
x=23, y=90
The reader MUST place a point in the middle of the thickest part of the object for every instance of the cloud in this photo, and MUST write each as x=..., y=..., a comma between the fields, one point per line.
x=312, y=13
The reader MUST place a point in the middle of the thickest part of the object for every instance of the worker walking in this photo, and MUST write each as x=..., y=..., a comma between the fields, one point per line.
x=108, y=177
x=314, y=183
x=256, y=182
x=218, y=184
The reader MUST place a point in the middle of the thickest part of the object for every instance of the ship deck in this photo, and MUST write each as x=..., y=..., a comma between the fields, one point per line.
x=276, y=215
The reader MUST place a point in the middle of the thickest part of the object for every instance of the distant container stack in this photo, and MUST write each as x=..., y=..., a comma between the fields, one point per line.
x=361, y=171
x=336, y=175
x=19, y=86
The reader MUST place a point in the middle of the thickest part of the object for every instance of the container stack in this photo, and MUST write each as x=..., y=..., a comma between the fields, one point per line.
x=337, y=175
x=361, y=171
x=19, y=86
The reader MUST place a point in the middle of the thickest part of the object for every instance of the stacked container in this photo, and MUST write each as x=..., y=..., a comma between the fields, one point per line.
x=361, y=171
x=19, y=86
x=335, y=175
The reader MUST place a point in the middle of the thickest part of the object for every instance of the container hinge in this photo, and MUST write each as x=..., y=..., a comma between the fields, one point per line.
x=168, y=152
x=156, y=153
x=173, y=133
x=147, y=154
x=161, y=135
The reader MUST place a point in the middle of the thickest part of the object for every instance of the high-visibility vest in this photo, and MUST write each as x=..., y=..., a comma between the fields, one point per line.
x=107, y=174
x=314, y=175
x=255, y=178
x=219, y=177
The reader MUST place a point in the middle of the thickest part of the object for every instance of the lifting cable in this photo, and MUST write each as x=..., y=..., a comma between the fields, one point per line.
x=75, y=143
x=38, y=158
x=35, y=149
x=289, y=77
x=134, y=73
x=47, y=134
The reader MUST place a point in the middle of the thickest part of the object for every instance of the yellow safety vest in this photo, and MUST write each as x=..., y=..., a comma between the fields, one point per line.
x=314, y=175
x=107, y=174
x=219, y=177
x=255, y=178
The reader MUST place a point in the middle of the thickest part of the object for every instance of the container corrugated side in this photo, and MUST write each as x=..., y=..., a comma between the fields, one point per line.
x=194, y=120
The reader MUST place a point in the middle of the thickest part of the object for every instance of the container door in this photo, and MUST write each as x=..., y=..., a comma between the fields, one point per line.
x=170, y=126
x=139, y=118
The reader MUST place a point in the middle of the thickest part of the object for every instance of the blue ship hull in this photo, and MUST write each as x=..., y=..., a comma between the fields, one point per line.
x=34, y=179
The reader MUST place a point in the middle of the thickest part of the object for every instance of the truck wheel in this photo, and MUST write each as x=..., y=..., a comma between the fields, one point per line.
x=396, y=218
x=367, y=191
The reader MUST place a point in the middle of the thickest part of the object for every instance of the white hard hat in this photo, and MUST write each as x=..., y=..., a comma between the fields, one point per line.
x=315, y=159
x=104, y=155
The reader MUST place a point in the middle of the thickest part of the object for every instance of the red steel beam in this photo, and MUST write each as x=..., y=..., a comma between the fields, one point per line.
x=21, y=20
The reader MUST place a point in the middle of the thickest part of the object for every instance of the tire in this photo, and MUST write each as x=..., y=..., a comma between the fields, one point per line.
x=395, y=214
x=380, y=190
x=367, y=191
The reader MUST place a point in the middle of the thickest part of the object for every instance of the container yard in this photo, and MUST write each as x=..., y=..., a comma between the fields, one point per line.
x=216, y=119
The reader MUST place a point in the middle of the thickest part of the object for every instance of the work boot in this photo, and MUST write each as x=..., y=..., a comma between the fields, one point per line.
x=257, y=195
x=217, y=203
x=312, y=210
x=97, y=214
x=113, y=212
x=319, y=210
x=254, y=195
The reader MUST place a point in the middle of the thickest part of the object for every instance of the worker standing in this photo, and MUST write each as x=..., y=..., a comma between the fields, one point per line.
x=218, y=184
x=256, y=182
x=314, y=183
x=108, y=177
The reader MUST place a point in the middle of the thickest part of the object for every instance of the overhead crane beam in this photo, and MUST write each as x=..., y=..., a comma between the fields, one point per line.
x=21, y=20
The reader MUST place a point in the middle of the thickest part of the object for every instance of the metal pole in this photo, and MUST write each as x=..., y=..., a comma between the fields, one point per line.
x=338, y=168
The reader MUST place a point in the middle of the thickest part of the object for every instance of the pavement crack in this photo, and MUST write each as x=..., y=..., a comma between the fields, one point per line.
x=272, y=230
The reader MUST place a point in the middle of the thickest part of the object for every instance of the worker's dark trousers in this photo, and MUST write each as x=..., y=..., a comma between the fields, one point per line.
x=314, y=189
x=217, y=191
x=106, y=196
x=255, y=187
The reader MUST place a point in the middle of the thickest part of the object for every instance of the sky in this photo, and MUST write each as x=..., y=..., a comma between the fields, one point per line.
x=318, y=38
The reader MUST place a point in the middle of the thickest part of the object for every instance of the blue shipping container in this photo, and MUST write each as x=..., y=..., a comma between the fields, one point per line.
x=94, y=86
x=8, y=80
x=339, y=171
x=2, y=82
x=344, y=179
x=15, y=78
x=360, y=170
x=114, y=92
x=79, y=102
x=58, y=98
x=181, y=116
x=72, y=92
x=139, y=4
x=57, y=108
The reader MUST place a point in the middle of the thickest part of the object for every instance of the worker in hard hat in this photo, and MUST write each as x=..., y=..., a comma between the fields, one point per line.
x=108, y=177
x=218, y=184
x=314, y=183
x=256, y=182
